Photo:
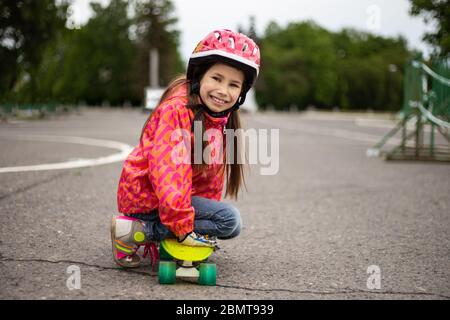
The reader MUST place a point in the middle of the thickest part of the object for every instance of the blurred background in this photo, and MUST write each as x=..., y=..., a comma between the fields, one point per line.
x=330, y=55
x=342, y=82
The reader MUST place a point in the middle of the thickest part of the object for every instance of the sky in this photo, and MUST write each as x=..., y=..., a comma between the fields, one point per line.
x=196, y=18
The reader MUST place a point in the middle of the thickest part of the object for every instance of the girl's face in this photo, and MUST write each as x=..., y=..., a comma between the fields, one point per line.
x=221, y=86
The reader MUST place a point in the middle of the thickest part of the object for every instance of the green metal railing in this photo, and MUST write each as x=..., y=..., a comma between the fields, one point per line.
x=426, y=106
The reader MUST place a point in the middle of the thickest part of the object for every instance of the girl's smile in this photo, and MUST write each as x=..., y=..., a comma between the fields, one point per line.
x=221, y=86
x=218, y=101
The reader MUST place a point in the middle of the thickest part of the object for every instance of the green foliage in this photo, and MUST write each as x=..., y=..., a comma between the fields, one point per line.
x=99, y=55
x=370, y=70
x=107, y=60
x=92, y=63
x=102, y=62
x=288, y=60
x=305, y=64
x=155, y=29
x=437, y=12
x=26, y=28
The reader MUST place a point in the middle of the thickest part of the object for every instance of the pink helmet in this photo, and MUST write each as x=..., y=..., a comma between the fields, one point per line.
x=230, y=47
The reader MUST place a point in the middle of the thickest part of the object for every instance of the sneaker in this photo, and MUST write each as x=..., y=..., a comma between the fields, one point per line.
x=127, y=235
x=194, y=239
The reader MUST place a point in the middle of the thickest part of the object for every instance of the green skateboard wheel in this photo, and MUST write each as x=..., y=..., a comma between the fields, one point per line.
x=207, y=274
x=167, y=272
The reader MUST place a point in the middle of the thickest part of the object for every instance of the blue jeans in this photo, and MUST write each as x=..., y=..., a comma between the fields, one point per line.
x=212, y=217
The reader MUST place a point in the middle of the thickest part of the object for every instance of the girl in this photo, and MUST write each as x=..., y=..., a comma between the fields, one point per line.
x=163, y=197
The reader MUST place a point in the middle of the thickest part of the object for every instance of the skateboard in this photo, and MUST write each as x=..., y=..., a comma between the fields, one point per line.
x=177, y=260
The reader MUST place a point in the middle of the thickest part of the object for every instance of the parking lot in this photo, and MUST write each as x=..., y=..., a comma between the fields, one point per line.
x=329, y=223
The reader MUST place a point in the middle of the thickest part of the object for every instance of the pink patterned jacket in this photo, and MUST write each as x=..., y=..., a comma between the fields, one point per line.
x=150, y=178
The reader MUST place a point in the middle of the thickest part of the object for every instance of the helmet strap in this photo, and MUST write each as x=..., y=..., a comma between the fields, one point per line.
x=195, y=87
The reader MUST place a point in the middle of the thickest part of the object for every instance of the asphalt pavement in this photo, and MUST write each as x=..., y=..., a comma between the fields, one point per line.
x=327, y=223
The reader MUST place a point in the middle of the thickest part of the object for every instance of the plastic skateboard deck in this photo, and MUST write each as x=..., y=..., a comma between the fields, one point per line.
x=178, y=260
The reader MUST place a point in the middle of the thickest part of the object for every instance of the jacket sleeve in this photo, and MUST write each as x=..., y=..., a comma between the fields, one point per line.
x=171, y=180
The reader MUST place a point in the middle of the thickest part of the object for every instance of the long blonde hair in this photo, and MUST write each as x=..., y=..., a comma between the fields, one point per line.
x=234, y=171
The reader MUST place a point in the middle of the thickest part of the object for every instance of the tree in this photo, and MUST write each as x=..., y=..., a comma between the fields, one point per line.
x=251, y=31
x=369, y=70
x=304, y=64
x=298, y=66
x=437, y=11
x=155, y=29
x=93, y=63
x=26, y=28
x=104, y=61
x=103, y=52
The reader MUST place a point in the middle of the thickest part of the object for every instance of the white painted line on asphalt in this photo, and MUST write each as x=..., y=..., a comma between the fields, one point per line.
x=124, y=148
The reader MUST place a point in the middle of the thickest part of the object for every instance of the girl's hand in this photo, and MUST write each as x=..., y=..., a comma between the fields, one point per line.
x=195, y=240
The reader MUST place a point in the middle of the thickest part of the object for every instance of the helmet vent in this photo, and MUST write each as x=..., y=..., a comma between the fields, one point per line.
x=231, y=41
x=244, y=47
x=218, y=36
